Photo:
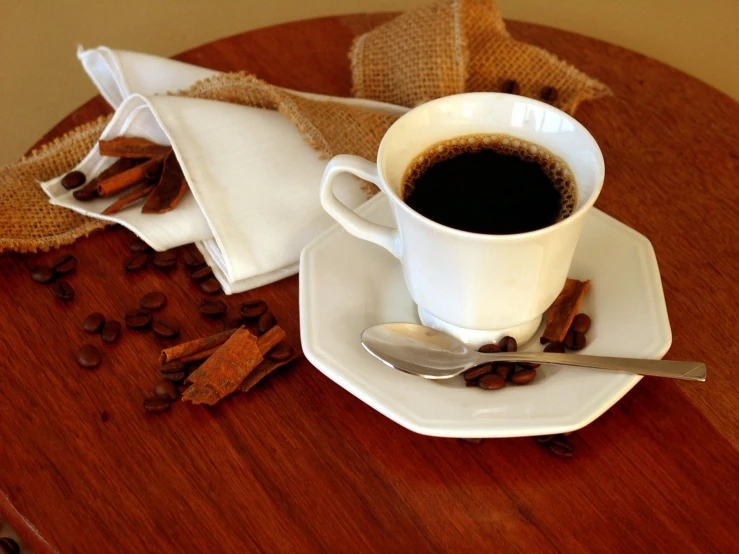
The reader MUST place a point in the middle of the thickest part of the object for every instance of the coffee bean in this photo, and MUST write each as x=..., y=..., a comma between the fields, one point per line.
x=192, y=256
x=213, y=308
x=528, y=365
x=555, y=347
x=510, y=87
x=210, y=286
x=543, y=340
x=232, y=323
x=138, y=245
x=9, y=546
x=522, y=377
x=137, y=262
x=42, y=274
x=508, y=344
x=138, y=318
x=491, y=348
x=549, y=94
x=110, y=331
x=504, y=369
x=265, y=322
x=166, y=389
x=73, y=179
x=544, y=439
x=472, y=441
x=85, y=194
x=491, y=381
x=561, y=446
x=93, y=322
x=89, y=357
x=165, y=260
x=200, y=273
x=581, y=323
x=156, y=404
x=578, y=340
x=153, y=301
x=280, y=353
x=165, y=329
x=477, y=372
x=64, y=264
x=63, y=291
x=173, y=371
x=252, y=309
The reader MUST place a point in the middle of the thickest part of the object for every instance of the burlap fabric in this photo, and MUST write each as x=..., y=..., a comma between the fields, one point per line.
x=443, y=48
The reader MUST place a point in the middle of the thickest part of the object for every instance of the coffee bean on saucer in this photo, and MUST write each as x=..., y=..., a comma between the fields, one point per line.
x=477, y=372
x=504, y=369
x=64, y=264
x=165, y=260
x=561, y=446
x=9, y=546
x=523, y=377
x=138, y=245
x=511, y=87
x=93, y=322
x=213, y=308
x=575, y=340
x=232, y=323
x=210, y=286
x=508, y=344
x=85, y=194
x=555, y=347
x=192, y=256
x=110, y=331
x=63, y=291
x=252, y=309
x=137, y=262
x=89, y=357
x=200, y=273
x=138, y=318
x=153, y=301
x=173, y=371
x=491, y=348
x=549, y=94
x=491, y=381
x=42, y=274
x=581, y=323
x=165, y=329
x=156, y=404
x=166, y=389
x=265, y=322
x=280, y=353
x=73, y=179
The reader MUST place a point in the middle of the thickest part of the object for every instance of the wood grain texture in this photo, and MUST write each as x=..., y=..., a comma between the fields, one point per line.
x=299, y=464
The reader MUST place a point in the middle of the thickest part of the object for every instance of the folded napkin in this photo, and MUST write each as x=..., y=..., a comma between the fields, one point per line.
x=252, y=203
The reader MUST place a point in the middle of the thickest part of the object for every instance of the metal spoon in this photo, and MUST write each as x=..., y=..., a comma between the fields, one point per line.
x=424, y=351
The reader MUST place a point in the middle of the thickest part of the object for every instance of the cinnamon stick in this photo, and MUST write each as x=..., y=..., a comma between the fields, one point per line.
x=197, y=356
x=132, y=147
x=126, y=179
x=170, y=189
x=195, y=346
x=90, y=190
x=262, y=370
x=563, y=310
x=142, y=190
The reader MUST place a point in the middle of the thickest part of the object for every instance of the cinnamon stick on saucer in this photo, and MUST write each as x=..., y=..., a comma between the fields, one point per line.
x=563, y=310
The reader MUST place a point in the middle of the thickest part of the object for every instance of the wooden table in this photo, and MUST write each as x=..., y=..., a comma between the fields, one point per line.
x=300, y=464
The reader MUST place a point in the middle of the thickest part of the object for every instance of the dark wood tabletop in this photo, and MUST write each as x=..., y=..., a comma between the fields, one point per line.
x=299, y=464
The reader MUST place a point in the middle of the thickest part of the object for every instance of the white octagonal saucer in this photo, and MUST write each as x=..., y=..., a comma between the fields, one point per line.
x=347, y=285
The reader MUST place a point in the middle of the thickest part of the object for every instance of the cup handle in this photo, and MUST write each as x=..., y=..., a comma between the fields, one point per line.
x=358, y=226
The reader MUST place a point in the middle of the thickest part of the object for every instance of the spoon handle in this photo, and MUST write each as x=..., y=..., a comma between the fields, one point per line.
x=689, y=371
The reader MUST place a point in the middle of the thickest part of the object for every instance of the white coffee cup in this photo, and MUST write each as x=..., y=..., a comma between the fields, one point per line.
x=477, y=287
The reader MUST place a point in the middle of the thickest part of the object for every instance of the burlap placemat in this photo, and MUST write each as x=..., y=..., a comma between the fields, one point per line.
x=443, y=48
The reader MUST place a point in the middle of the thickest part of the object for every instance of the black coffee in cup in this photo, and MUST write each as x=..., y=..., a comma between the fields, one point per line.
x=490, y=184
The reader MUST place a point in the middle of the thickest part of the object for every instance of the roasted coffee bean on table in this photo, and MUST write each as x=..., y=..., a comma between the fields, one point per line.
x=63, y=291
x=210, y=286
x=491, y=381
x=110, y=331
x=73, y=179
x=165, y=329
x=265, y=322
x=173, y=371
x=9, y=546
x=200, y=273
x=522, y=377
x=581, y=323
x=549, y=94
x=89, y=357
x=42, y=274
x=232, y=323
x=213, y=308
x=153, y=301
x=508, y=344
x=64, y=264
x=93, y=322
x=165, y=260
x=555, y=347
x=192, y=256
x=138, y=245
x=138, y=318
x=137, y=262
x=511, y=87
x=561, y=446
x=252, y=309
x=491, y=348
x=167, y=389
x=156, y=404
x=280, y=353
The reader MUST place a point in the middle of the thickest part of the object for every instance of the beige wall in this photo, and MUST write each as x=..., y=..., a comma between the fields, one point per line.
x=41, y=80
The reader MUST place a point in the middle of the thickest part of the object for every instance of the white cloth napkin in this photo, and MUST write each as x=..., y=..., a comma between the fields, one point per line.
x=253, y=202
